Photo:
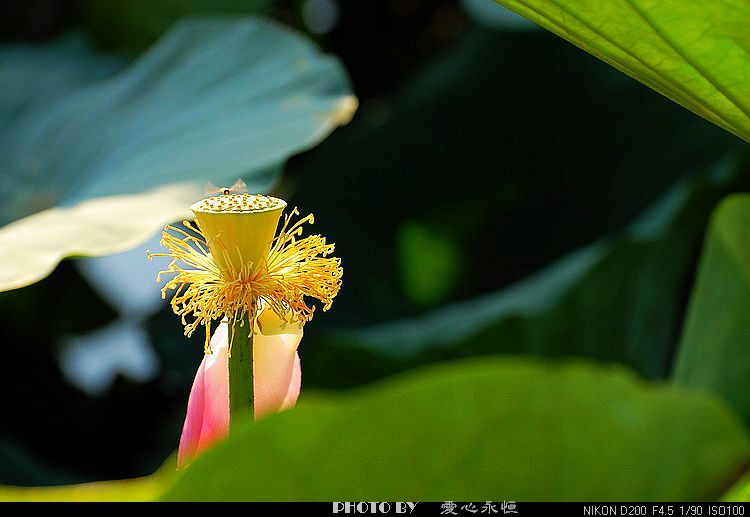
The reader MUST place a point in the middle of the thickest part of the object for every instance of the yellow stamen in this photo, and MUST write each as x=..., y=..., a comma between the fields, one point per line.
x=228, y=264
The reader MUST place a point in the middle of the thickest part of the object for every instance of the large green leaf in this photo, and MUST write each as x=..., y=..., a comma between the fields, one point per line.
x=483, y=430
x=475, y=430
x=697, y=53
x=33, y=76
x=619, y=299
x=216, y=98
x=715, y=349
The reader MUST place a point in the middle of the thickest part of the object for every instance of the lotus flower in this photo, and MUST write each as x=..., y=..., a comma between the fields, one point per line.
x=227, y=266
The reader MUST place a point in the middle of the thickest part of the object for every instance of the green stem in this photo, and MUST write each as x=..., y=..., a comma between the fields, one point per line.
x=240, y=372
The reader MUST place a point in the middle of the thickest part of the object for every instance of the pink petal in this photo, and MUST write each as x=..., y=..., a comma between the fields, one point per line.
x=277, y=377
x=277, y=374
x=295, y=383
x=207, y=418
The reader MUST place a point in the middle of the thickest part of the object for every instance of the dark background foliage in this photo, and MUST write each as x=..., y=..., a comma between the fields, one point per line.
x=480, y=155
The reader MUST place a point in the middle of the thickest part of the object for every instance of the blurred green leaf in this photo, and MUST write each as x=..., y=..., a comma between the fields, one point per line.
x=483, y=430
x=431, y=263
x=696, y=53
x=619, y=299
x=501, y=143
x=217, y=99
x=135, y=24
x=714, y=352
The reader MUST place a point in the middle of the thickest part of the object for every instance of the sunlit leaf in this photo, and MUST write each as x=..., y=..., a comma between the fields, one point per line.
x=697, y=53
x=740, y=491
x=714, y=353
x=146, y=488
x=216, y=98
x=32, y=246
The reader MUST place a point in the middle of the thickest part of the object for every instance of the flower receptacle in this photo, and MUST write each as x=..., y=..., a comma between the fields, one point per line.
x=239, y=229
